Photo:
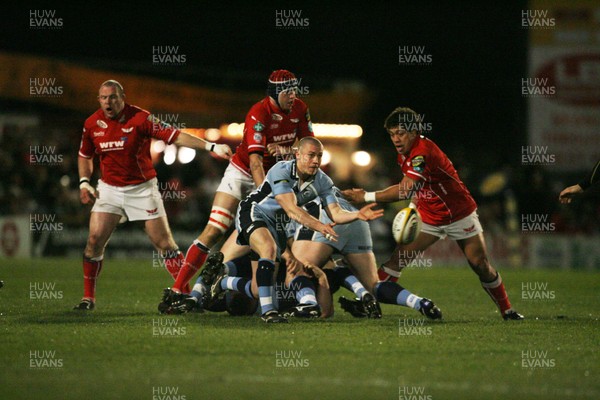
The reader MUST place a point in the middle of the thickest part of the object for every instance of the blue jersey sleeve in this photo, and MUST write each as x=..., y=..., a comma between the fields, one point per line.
x=325, y=189
x=280, y=180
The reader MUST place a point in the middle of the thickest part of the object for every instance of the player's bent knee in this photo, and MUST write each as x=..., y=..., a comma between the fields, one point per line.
x=267, y=249
x=480, y=263
x=95, y=244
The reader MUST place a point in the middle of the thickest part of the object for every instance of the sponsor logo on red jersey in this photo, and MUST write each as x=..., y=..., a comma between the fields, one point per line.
x=113, y=145
x=284, y=137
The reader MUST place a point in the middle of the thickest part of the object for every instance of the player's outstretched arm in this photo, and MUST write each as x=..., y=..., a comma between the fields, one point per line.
x=401, y=191
x=360, y=196
x=191, y=141
x=589, y=183
x=341, y=216
x=567, y=194
x=287, y=201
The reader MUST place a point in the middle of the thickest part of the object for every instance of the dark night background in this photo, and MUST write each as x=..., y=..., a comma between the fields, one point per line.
x=470, y=92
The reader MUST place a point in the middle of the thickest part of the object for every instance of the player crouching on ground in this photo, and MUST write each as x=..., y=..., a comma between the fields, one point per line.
x=446, y=206
x=262, y=218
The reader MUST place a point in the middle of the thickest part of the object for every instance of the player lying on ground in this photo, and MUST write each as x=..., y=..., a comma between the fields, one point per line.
x=212, y=289
x=355, y=244
x=223, y=279
x=271, y=127
x=120, y=134
x=446, y=206
x=262, y=217
x=288, y=297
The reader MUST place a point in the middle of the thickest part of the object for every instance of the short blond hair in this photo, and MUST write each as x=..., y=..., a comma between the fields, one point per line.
x=115, y=84
x=309, y=139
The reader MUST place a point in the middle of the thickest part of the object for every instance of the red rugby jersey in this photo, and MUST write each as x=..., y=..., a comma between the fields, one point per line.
x=123, y=144
x=441, y=196
x=265, y=124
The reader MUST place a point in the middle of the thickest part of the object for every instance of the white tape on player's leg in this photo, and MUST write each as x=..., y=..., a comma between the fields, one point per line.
x=221, y=218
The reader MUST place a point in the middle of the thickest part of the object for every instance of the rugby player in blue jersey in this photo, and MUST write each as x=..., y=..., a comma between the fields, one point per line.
x=263, y=216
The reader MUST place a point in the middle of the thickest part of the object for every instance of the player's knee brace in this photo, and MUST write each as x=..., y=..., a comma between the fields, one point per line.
x=264, y=273
x=221, y=218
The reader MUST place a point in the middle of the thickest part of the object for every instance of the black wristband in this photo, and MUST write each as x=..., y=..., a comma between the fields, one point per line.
x=585, y=184
x=81, y=180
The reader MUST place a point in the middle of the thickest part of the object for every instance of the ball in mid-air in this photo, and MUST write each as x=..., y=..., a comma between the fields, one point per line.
x=406, y=225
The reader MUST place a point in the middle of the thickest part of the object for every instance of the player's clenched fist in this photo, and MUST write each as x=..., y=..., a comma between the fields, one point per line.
x=222, y=150
x=315, y=271
x=274, y=149
x=87, y=193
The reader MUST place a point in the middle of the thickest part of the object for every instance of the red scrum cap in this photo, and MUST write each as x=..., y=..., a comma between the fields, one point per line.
x=282, y=76
x=279, y=81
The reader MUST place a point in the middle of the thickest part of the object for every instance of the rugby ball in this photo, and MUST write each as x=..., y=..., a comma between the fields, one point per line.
x=406, y=226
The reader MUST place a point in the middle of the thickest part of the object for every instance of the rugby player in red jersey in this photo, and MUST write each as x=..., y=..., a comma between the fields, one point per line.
x=445, y=204
x=271, y=128
x=120, y=135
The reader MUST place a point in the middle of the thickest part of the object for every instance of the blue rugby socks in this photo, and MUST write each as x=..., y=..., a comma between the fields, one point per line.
x=305, y=290
x=392, y=293
x=264, y=279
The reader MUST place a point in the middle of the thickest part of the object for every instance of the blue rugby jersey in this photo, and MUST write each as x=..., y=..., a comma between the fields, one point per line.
x=283, y=178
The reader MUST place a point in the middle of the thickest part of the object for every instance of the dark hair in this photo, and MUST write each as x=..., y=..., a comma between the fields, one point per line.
x=401, y=115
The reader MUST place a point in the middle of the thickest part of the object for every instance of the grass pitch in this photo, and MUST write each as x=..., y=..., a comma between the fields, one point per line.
x=125, y=349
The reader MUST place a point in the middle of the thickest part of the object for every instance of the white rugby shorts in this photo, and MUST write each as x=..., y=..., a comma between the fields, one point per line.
x=462, y=229
x=133, y=202
x=236, y=183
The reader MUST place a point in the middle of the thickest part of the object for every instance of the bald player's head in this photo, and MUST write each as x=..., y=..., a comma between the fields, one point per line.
x=312, y=140
x=111, y=98
x=114, y=84
x=308, y=156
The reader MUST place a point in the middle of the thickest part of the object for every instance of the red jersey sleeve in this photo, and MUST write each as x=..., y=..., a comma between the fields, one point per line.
x=161, y=130
x=418, y=166
x=254, y=131
x=86, y=147
x=305, y=125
